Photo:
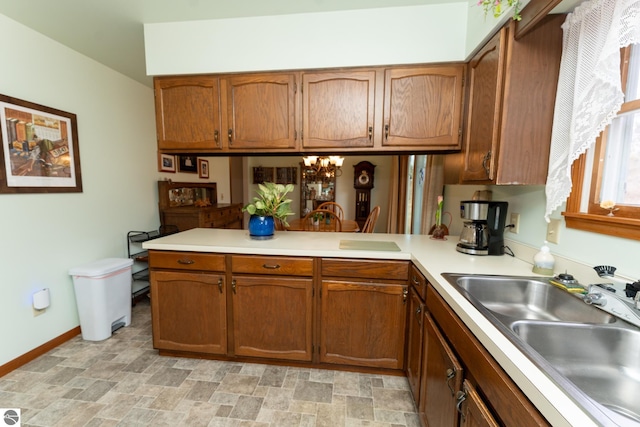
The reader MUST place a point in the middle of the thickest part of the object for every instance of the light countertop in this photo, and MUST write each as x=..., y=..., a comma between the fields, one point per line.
x=432, y=257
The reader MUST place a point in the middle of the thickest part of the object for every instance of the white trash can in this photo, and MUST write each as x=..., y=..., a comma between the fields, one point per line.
x=103, y=296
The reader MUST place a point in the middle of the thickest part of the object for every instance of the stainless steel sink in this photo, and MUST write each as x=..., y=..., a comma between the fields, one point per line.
x=603, y=362
x=526, y=298
x=591, y=354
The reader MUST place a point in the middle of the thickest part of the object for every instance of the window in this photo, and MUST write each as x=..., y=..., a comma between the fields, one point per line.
x=611, y=172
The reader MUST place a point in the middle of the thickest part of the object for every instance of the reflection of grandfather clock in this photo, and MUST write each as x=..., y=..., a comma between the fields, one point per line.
x=363, y=183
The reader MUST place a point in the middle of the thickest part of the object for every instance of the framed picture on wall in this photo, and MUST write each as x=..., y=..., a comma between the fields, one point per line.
x=166, y=163
x=40, y=151
x=188, y=164
x=203, y=168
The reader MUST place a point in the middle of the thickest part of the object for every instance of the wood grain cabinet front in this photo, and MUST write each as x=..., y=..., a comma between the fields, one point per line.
x=338, y=109
x=363, y=312
x=423, y=107
x=188, y=113
x=189, y=311
x=512, y=89
x=272, y=307
x=259, y=111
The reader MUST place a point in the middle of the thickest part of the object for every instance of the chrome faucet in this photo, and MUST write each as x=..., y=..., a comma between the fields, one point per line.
x=595, y=298
x=620, y=306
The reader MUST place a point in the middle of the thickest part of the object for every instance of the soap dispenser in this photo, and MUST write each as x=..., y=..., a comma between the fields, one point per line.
x=543, y=261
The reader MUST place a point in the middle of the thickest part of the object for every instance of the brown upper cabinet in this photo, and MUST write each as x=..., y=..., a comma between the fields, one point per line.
x=338, y=109
x=311, y=111
x=422, y=107
x=187, y=113
x=259, y=111
x=512, y=88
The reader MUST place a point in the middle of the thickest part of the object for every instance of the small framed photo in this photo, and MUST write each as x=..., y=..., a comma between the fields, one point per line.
x=203, y=168
x=166, y=163
x=188, y=164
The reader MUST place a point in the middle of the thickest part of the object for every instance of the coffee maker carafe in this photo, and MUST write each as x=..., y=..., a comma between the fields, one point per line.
x=483, y=228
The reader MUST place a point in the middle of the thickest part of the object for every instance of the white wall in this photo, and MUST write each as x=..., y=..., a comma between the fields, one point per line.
x=398, y=35
x=576, y=245
x=43, y=235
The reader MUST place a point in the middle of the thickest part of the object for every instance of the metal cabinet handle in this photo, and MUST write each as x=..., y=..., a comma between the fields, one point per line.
x=461, y=397
x=451, y=374
x=271, y=266
x=186, y=261
x=370, y=132
x=415, y=280
x=220, y=284
x=386, y=131
x=405, y=293
x=216, y=137
x=485, y=163
x=230, y=135
x=233, y=285
x=417, y=314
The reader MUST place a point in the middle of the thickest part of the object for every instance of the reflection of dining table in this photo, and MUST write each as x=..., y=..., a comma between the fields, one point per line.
x=348, y=225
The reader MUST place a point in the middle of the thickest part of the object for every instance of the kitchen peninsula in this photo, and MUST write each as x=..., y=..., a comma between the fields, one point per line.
x=241, y=282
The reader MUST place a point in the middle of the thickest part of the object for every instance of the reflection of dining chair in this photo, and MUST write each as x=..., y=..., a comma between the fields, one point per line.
x=370, y=224
x=326, y=221
x=279, y=225
x=333, y=206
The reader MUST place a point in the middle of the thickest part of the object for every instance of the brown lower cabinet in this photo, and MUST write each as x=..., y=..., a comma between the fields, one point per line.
x=272, y=317
x=479, y=393
x=188, y=306
x=353, y=312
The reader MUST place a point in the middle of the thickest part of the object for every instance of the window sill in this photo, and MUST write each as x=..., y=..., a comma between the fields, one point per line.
x=627, y=228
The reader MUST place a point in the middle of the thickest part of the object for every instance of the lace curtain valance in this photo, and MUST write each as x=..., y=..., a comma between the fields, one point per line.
x=589, y=91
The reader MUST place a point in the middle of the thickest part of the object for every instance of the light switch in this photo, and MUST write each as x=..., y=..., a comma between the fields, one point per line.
x=553, y=231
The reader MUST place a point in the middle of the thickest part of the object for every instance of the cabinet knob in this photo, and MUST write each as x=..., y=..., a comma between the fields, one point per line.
x=216, y=137
x=220, y=284
x=230, y=136
x=233, y=285
x=405, y=293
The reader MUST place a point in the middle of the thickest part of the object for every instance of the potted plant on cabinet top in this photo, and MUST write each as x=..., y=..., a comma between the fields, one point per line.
x=269, y=204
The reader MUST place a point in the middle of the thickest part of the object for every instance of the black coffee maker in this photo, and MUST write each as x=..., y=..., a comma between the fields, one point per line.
x=483, y=228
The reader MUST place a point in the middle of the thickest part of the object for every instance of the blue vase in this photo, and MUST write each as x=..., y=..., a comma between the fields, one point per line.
x=261, y=227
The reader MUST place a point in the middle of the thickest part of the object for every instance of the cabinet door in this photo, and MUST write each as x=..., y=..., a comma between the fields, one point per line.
x=363, y=323
x=189, y=311
x=422, y=107
x=473, y=411
x=272, y=317
x=485, y=72
x=259, y=111
x=187, y=113
x=337, y=109
x=414, y=346
x=441, y=379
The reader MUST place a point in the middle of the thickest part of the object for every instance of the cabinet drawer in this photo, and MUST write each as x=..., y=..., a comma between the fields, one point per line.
x=186, y=261
x=289, y=266
x=370, y=269
x=419, y=282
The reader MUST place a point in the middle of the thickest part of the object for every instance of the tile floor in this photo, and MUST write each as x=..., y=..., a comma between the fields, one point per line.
x=123, y=382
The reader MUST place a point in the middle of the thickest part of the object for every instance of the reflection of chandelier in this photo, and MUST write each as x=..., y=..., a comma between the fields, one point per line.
x=327, y=166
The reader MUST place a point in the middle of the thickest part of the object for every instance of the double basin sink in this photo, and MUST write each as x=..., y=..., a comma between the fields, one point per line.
x=591, y=354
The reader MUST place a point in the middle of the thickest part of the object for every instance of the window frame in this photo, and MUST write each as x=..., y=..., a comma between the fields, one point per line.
x=626, y=223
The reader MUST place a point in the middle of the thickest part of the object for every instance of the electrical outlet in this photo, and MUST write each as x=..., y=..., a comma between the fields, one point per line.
x=515, y=222
x=553, y=231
